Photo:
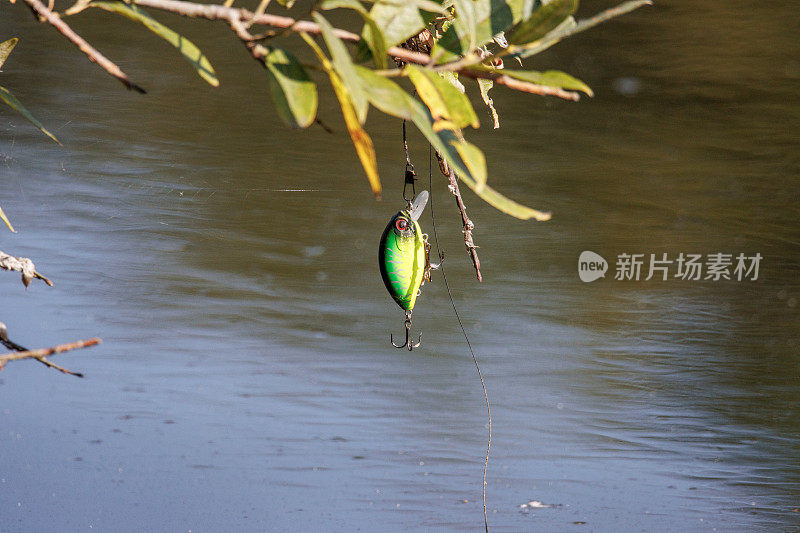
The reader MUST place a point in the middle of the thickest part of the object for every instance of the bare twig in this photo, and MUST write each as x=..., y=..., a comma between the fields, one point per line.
x=23, y=265
x=42, y=353
x=95, y=56
x=468, y=225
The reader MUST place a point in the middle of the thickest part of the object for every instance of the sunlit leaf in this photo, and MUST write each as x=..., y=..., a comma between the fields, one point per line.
x=569, y=27
x=344, y=67
x=5, y=49
x=374, y=38
x=486, y=85
x=466, y=18
x=490, y=18
x=473, y=157
x=542, y=21
x=508, y=206
x=286, y=3
x=292, y=90
x=186, y=47
x=387, y=95
x=361, y=140
x=4, y=218
x=9, y=98
x=397, y=19
x=550, y=78
x=442, y=98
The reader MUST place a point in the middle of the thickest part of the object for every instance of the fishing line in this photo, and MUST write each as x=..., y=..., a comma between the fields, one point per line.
x=464, y=331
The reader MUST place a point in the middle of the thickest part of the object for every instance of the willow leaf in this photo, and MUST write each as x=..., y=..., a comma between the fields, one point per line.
x=344, y=67
x=397, y=19
x=569, y=27
x=507, y=205
x=445, y=101
x=542, y=21
x=490, y=18
x=5, y=49
x=550, y=78
x=9, y=98
x=374, y=37
x=386, y=95
x=292, y=90
x=186, y=47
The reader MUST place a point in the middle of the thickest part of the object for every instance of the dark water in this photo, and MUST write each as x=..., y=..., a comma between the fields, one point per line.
x=245, y=381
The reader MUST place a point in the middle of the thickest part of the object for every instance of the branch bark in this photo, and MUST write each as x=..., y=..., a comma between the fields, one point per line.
x=42, y=353
x=240, y=18
x=472, y=250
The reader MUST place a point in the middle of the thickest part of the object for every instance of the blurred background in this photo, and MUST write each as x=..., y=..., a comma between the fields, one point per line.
x=246, y=382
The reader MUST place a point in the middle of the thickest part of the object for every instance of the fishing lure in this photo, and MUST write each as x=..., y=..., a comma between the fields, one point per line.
x=404, y=260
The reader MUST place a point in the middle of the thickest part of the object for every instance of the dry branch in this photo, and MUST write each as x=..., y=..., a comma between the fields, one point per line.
x=23, y=265
x=240, y=19
x=42, y=353
x=472, y=250
x=95, y=56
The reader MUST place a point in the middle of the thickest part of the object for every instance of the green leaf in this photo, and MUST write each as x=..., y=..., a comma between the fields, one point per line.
x=4, y=218
x=485, y=86
x=490, y=18
x=374, y=37
x=445, y=101
x=5, y=49
x=569, y=27
x=508, y=206
x=292, y=90
x=550, y=78
x=473, y=158
x=397, y=19
x=542, y=21
x=344, y=67
x=186, y=47
x=386, y=95
x=9, y=98
x=361, y=140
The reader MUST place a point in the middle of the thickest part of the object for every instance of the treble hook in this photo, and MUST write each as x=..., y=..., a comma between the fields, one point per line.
x=409, y=343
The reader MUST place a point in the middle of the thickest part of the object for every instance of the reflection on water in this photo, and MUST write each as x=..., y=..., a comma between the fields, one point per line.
x=246, y=381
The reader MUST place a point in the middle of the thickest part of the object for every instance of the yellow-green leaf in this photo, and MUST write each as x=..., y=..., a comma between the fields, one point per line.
x=186, y=47
x=542, y=21
x=4, y=218
x=292, y=90
x=442, y=98
x=550, y=78
x=344, y=67
x=374, y=37
x=569, y=27
x=397, y=19
x=9, y=98
x=5, y=49
x=487, y=19
x=475, y=160
x=386, y=95
x=507, y=205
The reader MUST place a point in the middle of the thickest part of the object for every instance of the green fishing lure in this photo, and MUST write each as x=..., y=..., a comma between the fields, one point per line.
x=404, y=257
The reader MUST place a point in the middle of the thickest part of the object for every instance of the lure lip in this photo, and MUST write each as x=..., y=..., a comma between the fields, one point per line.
x=418, y=205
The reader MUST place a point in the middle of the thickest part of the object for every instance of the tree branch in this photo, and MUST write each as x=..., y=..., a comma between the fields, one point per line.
x=241, y=19
x=24, y=265
x=468, y=225
x=95, y=56
x=42, y=353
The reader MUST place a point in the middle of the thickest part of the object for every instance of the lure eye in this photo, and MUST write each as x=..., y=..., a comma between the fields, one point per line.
x=402, y=224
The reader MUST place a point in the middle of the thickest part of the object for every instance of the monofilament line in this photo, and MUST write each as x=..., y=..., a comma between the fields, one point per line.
x=464, y=331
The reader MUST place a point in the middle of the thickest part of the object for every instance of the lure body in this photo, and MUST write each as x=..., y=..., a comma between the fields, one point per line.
x=402, y=259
